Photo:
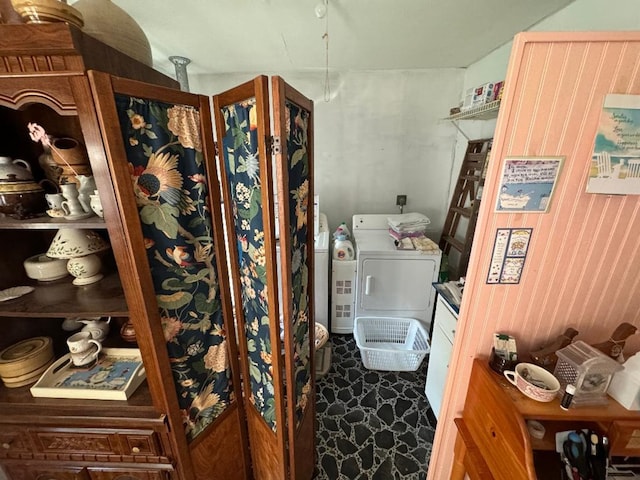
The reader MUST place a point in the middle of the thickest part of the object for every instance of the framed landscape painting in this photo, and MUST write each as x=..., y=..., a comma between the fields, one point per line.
x=527, y=183
x=615, y=162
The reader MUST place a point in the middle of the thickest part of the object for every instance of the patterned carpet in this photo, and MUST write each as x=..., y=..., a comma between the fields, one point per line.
x=372, y=425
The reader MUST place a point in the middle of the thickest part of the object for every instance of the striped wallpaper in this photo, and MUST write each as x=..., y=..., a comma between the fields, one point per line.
x=583, y=264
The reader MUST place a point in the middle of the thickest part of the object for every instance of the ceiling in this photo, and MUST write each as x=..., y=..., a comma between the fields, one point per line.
x=236, y=36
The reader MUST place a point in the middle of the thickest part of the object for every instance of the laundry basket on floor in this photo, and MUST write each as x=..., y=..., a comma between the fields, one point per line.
x=391, y=343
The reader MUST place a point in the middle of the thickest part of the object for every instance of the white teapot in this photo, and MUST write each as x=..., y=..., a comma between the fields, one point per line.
x=98, y=328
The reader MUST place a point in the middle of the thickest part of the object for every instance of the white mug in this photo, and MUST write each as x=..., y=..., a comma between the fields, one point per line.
x=81, y=350
x=54, y=200
x=72, y=207
x=69, y=190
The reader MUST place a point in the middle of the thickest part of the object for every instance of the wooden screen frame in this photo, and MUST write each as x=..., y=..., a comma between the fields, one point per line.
x=207, y=456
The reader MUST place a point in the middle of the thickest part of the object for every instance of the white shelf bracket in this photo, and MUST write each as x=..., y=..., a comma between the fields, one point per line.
x=455, y=124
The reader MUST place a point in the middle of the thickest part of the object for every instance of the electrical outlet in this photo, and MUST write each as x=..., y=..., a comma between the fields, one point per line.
x=401, y=200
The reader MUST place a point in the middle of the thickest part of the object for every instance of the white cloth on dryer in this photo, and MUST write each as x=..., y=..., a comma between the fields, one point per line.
x=408, y=222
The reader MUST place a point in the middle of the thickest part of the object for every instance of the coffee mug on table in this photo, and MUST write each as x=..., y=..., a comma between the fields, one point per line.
x=82, y=351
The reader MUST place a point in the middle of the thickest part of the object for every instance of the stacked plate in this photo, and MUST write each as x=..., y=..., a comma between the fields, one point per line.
x=24, y=362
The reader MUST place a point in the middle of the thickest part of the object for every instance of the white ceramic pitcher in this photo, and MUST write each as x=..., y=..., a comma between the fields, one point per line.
x=98, y=328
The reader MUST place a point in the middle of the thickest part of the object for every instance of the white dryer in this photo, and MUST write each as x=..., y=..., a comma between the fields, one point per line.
x=391, y=282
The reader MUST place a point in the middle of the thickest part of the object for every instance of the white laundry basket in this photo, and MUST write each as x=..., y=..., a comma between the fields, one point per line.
x=391, y=343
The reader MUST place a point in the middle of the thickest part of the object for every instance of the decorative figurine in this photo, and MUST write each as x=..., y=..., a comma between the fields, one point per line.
x=613, y=347
x=546, y=356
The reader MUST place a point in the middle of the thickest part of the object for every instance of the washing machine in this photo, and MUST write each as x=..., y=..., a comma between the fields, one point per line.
x=321, y=277
x=391, y=282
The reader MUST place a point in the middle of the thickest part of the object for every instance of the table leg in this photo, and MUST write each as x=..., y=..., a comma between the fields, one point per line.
x=458, y=471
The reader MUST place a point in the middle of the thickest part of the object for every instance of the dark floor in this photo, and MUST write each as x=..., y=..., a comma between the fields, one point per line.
x=372, y=425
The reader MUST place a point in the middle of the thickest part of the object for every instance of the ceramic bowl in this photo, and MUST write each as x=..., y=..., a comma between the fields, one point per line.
x=45, y=269
x=47, y=11
x=534, y=381
x=23, y=362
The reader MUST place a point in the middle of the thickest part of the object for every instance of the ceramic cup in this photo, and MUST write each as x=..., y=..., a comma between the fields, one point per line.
x=82, y=351
x=69, y=190
x=96, y=205
x=98, y=328
x=534, y=381
x=71, y=208
x=54, y=200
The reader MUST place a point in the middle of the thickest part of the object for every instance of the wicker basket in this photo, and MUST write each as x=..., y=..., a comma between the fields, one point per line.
x=391, y=343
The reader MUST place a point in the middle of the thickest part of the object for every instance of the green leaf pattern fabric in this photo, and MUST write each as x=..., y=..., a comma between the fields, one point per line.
x=240, y=155
x=297, y=123
x=168, y=177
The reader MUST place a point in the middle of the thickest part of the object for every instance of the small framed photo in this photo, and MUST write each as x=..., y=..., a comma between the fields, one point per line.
x=527, y=184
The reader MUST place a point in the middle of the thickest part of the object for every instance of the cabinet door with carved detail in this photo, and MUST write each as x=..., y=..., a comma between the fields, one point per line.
x=20, y=472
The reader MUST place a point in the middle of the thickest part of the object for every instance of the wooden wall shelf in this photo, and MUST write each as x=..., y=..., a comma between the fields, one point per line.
x=482, y=112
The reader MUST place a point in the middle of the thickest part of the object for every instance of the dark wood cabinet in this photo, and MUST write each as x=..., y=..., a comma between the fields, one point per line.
x=258, y=421
x=43, y=79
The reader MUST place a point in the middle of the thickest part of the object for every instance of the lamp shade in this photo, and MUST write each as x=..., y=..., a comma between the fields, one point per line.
x=80, y=247
x=73, y=243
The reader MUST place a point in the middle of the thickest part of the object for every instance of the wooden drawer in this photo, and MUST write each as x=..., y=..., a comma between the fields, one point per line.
x=12, y=442
x=17, y=440
x=96, y=441
x=625, y=438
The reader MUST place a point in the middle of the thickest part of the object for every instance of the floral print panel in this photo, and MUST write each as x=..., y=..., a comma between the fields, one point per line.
x=168, y=176
x=240, y=154
x=297, y=122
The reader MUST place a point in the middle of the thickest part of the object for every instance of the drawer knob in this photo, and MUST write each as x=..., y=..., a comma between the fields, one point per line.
x=135, y=449
x=6, y=445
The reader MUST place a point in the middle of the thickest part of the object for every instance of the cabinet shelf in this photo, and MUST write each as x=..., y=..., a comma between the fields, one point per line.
x=62, y=299
x=46, y=223
x=19, y=401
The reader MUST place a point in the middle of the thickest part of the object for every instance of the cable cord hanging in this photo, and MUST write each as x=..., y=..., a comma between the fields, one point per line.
x=325, y=37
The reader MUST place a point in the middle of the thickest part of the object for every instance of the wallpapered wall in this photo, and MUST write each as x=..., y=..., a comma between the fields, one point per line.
x=584, y=255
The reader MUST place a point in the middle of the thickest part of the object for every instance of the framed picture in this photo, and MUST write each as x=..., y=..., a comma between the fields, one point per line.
x=527, y=184
x=509, y=254
x=615, y=162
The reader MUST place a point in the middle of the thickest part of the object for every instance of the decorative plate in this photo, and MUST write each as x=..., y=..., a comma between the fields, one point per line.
x=14, y=292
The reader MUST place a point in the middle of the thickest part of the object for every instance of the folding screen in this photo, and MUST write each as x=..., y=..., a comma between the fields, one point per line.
x=160, y=146
x=161, y=158
x=281, y=431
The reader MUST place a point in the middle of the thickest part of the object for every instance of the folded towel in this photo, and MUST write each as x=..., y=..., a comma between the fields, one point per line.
x=425, y=244
x=408, y=222
x=421, y=243
x=401, y=235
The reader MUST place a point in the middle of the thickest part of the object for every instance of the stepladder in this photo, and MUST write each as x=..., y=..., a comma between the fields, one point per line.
x=460, y=223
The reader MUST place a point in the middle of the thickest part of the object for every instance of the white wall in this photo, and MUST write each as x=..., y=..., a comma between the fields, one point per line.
x=581, y=15
x=380, y=135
